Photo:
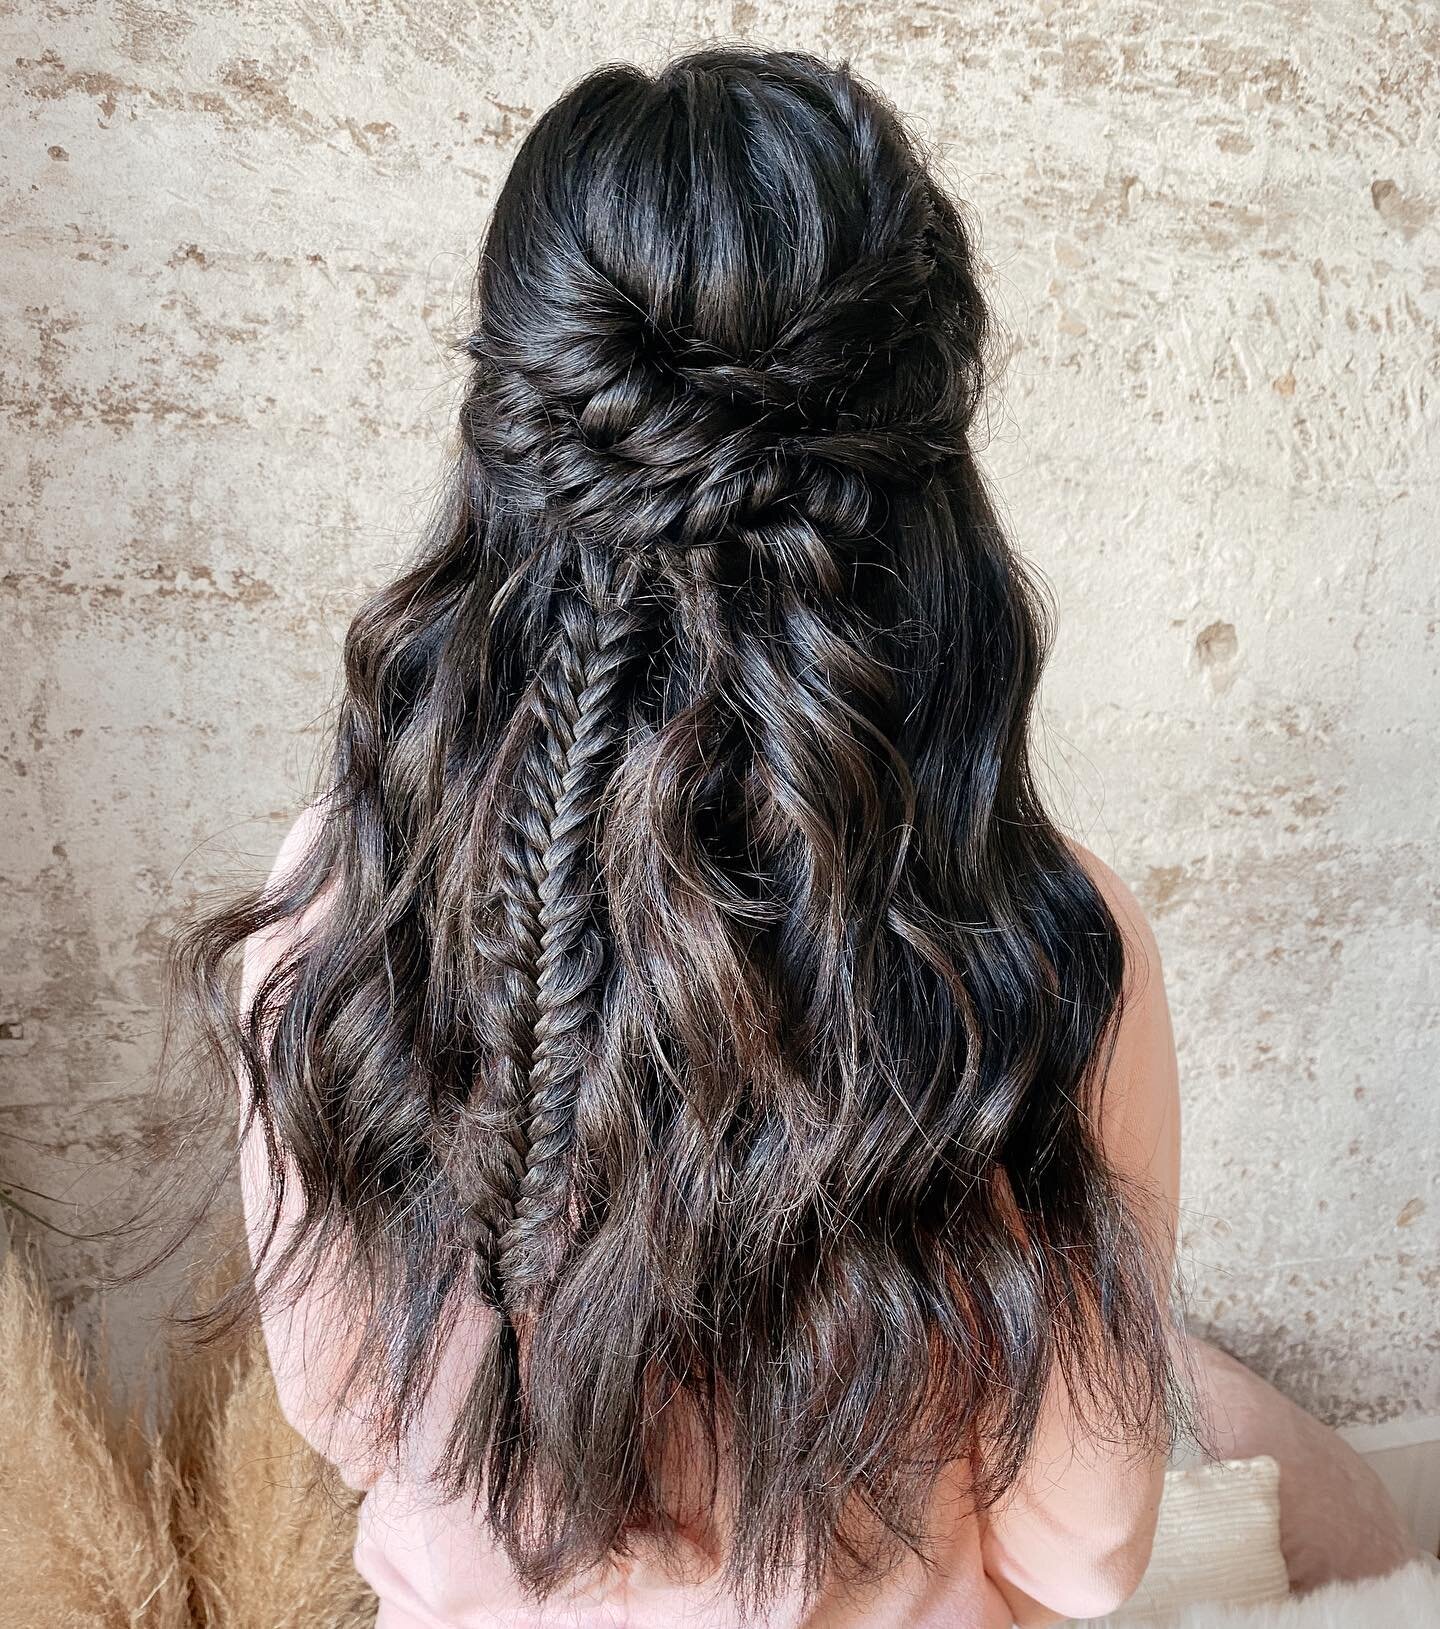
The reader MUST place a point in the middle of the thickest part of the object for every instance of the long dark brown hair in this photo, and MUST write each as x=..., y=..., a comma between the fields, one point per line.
x=702, y=989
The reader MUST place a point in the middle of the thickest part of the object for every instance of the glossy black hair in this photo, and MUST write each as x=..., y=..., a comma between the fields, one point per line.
x=702, y=989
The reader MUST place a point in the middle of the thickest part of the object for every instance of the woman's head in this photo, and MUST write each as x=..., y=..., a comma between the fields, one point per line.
x=721, y=308
x=702, y=987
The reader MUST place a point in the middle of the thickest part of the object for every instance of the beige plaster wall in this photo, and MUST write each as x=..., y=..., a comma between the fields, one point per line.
x=235, y=242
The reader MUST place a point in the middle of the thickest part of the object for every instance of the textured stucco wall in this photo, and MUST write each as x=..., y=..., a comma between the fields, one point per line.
x=236, y=240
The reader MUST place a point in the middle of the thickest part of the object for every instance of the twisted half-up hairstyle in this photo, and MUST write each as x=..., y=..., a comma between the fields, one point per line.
x=702, y=996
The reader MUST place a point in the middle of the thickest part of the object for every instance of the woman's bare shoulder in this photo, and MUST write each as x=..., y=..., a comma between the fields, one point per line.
x=1142, y=949
x=301, y=833
x=267, y=945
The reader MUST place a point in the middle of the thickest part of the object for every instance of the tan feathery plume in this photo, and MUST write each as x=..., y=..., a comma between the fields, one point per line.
x=265, y=1528
x=84, y=1539
x=224, y=1519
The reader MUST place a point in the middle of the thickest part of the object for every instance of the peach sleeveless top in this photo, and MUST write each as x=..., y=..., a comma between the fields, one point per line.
x=1071, y=1539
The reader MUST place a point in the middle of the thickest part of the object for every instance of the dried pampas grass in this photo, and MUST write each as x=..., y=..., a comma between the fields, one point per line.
x=266, y=1528
x=221, y=1518
x=84, y=1525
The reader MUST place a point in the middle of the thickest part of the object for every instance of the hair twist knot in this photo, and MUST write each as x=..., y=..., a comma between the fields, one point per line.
x=643, y=436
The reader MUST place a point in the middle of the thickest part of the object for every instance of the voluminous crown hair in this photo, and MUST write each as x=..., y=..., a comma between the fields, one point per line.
x=703, y=997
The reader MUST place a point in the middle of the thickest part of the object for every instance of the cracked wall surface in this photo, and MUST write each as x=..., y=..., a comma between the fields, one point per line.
x=236, y=243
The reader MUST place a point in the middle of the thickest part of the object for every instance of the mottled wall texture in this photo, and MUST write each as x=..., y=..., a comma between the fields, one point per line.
x=236, y=243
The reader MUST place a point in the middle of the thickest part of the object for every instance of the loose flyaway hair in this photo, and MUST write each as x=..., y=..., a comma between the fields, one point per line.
x=702, y=993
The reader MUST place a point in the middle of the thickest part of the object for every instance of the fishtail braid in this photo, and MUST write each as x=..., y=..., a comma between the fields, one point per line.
x=545, y=874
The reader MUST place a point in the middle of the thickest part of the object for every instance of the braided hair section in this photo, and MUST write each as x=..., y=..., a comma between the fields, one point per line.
x=545, y=957
x=550, y=894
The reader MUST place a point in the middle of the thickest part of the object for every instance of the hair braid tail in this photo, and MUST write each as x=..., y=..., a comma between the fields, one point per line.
x=519, y=874
x=546, y=996
x=580, y=734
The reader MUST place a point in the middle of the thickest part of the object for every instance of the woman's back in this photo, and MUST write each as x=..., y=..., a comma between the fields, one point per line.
x=1072, y=1541
x=730, y=1129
